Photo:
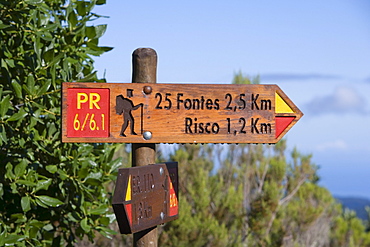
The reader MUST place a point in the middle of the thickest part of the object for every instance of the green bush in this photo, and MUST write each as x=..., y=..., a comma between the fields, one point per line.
x=50, y=192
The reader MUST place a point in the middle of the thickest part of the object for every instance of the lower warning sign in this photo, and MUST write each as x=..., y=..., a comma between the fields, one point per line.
x=146, y=196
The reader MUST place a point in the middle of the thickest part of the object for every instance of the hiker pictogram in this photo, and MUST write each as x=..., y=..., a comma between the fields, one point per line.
x=124, y=106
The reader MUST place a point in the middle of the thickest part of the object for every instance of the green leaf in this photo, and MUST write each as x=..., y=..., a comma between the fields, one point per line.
x=90, y=32
x=4, y=105
x=51, y=168
x=97, y=51
x=48, y=227
x=17, y=116
x=3, y=137
x=33, y=231
x=104, y=221
x=10, y=62
x=85, y=226
x=1, y=190
x=31, y=83
x=44, y=88
x=99, y=211
x=26, y=182
x=100, y=30
x=106, y=232
x=96, y=175
x=12, y=239
x=49, y=201
x=40, y=203
x=81, y=8
x=20, y=168
x=43, y=184
x=17, y=89
x=9, y=171
x=100, y=2
x=89, y=78
x=72, y=19
x=115, y=165
x=33, y=2
x=2, y=237
x=3, y=26
x=62, y=174
x=25, y=203
x=56, y=60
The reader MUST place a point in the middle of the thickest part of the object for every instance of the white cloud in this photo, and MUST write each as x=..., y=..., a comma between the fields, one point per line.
x=334, y=145
x=342, y=100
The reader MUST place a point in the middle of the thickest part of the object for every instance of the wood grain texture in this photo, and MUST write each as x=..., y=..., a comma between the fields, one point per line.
x=192, y=113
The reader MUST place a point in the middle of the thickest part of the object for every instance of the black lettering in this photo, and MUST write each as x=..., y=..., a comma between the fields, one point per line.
x=201, y=129
x=195, y=125
x=179, y=100
x=209, y=104
x=254, y=103
x=265, y=128
x=215, y=128
x=229, y=97
x=265, y=104
x=228, y=125
x=187, y=104
x=202, y=102
x=188, y=123
x=242, y=103
x=242, y=121
x=253, y=126
x=196, y=104
x=217, y=105
x=207, y=130
x=169, y=101
x=159, y=100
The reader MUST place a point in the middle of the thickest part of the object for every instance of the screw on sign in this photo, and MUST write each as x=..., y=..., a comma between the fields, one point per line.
x=146, y=196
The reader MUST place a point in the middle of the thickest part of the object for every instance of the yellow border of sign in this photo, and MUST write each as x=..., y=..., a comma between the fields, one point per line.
x=128, y=192
x=281, y=106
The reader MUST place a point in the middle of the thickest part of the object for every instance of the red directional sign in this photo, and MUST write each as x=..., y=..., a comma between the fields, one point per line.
x=176, y=113
x=146, y=196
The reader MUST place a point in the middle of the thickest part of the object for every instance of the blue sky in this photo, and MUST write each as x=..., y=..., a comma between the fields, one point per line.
x=318, y=52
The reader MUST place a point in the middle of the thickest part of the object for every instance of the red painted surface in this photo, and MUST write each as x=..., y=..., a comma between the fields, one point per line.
x=281, y=123
x=88, y=112
x=174, y=203
x=128, y=209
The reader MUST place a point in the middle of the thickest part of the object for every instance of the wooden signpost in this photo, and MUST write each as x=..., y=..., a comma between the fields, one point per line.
x=146, y=196
x=176, y=113
x=145, y=113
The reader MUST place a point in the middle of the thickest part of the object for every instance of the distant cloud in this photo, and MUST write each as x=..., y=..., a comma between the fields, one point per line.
x=343, y=100
x=337, y=144
x=297, y=77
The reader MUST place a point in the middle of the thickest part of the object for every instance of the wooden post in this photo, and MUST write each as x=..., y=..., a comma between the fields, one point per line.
x=144, y=70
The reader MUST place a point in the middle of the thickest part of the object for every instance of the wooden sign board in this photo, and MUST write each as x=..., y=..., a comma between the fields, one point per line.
x=176, y=113
x=146, y=196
